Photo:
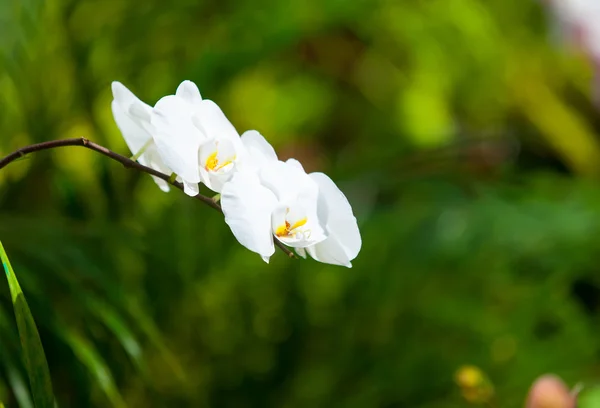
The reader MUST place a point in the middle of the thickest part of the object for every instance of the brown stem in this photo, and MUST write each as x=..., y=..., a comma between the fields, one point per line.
x=125, y=161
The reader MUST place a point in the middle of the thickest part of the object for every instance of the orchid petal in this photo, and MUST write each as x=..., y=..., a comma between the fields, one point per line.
x=259, y=150
x=151, y=158
x=135, y=132
x=125, y=98
x=344, y=242
x=329, y=251
x=301, y=252
x=205, y=177
x=210, y=119
x=191, y=189
x=216, y=181
x=134, y=135
x=141, y=112
x=188, y=91
x=247, y=207
x=295, y=163
x=288, y=182
x=178, y=141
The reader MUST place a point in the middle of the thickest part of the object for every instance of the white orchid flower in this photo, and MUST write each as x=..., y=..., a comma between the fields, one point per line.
x=280, y=201
x=133, y=120
x=195, y=139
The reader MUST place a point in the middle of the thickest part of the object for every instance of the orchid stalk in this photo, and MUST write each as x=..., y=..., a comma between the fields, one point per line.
x=185, y=140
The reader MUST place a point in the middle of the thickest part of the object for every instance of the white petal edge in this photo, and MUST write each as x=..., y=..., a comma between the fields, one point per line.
x=123, y=95
x=295, y=163
x=191, y=189
x=329, y=251
x=301, y=252
x=258, y=148
x=189, y=91
x=344, y=241
x=163, y=185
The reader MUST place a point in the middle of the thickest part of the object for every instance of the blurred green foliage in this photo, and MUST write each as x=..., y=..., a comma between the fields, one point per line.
x=462, y=134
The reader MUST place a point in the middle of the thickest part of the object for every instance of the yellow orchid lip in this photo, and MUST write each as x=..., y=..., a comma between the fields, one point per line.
x=212, y=162
x=287, y=230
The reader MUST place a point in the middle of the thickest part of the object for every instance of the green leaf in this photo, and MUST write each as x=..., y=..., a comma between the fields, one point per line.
x=589, y=398
x=31, y=345
x=14, y=376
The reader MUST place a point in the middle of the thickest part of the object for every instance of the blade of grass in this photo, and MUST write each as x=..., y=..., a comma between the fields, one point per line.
x=18, y=384
x=149, y=328
x=113, y=321
x=31, y=346
x=87, y=354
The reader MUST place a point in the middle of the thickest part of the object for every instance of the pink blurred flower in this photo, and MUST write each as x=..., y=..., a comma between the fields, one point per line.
x=579, y=21
x=550, y=391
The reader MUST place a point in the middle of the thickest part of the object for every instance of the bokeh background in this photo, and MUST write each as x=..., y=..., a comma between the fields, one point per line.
x=462, y=131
